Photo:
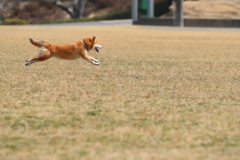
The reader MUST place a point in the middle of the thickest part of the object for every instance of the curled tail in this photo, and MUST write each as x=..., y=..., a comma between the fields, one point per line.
x=39, y=43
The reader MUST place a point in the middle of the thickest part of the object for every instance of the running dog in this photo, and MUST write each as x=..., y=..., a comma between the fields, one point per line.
x=70, y=51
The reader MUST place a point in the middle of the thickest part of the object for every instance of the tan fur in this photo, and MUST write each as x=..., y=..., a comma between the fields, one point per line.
x=70, y=51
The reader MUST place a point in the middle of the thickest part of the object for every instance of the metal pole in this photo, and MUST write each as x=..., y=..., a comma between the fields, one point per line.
x=150, y=8
x=178, y=21
x=134, y=10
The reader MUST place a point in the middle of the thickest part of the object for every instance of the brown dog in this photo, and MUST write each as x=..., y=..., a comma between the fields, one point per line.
x=68, y=51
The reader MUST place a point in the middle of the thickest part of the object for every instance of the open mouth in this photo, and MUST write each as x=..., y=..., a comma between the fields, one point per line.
x=96, y=49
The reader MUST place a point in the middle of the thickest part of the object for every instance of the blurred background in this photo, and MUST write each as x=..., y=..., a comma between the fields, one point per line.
x=56, y=11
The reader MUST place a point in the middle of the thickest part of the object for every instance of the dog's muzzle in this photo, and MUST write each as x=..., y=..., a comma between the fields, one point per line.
x=97, y=48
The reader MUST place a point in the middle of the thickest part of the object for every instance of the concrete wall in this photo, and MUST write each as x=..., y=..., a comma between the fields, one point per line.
x=234, y=23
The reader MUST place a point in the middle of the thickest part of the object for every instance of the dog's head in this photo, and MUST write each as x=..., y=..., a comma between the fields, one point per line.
x=93, y=43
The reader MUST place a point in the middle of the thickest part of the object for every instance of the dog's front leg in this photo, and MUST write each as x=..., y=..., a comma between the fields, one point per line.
x=91, y=59
x=94, y=61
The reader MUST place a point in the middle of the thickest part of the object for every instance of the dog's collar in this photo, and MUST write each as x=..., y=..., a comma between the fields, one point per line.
x=86, y=46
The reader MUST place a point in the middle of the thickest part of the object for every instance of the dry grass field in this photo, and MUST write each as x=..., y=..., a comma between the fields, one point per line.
x=158, y=94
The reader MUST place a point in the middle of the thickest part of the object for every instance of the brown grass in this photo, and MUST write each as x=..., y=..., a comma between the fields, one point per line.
x=157, y=94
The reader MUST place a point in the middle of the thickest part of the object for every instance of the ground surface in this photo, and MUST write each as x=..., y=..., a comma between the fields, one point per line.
x=158, y=94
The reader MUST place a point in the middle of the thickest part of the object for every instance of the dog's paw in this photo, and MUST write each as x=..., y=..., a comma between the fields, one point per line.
x=95, y=62
x=29, y=62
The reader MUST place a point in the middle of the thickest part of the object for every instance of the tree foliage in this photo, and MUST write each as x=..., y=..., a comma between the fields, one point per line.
x=6, y=5
x=75, y=9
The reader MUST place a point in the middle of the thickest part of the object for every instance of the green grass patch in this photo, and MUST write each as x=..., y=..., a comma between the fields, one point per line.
x=15, y=21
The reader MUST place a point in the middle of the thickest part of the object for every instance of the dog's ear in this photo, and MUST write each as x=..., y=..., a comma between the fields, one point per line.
x=93, y=38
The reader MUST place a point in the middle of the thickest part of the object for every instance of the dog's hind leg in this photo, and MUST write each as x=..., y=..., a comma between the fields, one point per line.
x=43, y=55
